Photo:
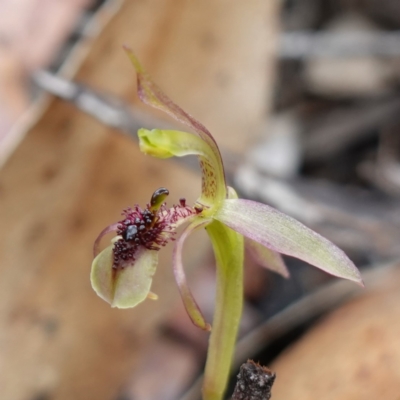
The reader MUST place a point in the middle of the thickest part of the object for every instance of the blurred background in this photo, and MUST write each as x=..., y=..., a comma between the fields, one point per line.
x=303, y=98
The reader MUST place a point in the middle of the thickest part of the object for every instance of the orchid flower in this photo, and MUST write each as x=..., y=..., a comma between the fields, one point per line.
x=122, y=273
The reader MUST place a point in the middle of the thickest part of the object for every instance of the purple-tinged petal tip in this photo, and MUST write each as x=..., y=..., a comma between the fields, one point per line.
x=108, y=229
x=266, y=258
x=285, y=235
x=151, y=94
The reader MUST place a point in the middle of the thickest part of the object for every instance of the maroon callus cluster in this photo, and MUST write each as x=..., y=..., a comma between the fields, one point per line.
x=146, y=228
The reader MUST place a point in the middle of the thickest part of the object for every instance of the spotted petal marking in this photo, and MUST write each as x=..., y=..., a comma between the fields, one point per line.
x=149, y=93
x=169, y=143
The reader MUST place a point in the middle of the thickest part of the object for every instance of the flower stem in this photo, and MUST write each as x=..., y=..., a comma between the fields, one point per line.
x=228, y=248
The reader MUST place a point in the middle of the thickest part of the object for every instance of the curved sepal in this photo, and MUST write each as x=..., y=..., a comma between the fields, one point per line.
x=169, y=143
x=165, y=143
x=266, y=258
x=151, y=94
x=285, y=235
x=123, y=287
x=189, y=302
x=108, y=229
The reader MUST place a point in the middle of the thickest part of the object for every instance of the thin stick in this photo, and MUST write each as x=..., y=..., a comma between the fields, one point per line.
x=254, y=382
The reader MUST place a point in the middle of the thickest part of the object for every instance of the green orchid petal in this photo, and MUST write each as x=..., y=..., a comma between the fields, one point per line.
x=285, y=235
x=266, y=258
x=169, y=143
x=125, y=287
x=231, y=193
x=152, y=95
x=149, y=93
x=263, y=256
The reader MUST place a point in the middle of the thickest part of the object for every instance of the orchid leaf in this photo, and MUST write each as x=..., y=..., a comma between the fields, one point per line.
x=285, y=235
x=123, y=287
x=266, y=257
x=189, y=302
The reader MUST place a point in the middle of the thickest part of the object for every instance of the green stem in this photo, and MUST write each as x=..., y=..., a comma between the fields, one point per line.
x=228, y=248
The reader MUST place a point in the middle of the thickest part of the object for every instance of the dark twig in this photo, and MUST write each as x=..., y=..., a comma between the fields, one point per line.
x=108, y=109
x=114, y=112
x=300, y=45
x=254, y=382
x=336, y=131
